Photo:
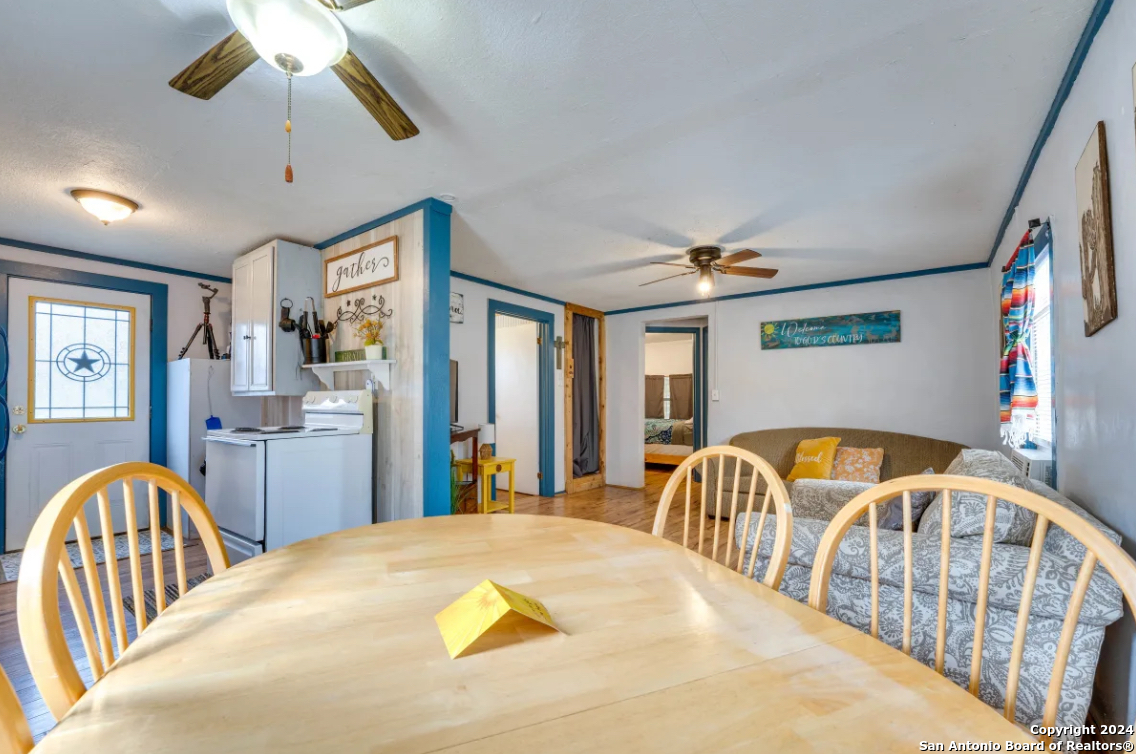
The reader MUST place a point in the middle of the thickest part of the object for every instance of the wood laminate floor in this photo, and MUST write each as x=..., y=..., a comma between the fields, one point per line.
x=613, y=505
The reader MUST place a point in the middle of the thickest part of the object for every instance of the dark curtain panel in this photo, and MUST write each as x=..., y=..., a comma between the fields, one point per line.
x=682, y=396
x=585, y=401
x=654, y=395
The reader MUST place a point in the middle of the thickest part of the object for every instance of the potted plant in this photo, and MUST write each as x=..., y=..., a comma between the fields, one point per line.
x=371, y=331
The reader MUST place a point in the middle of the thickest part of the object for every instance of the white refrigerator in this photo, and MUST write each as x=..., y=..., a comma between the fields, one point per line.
x=197, y=389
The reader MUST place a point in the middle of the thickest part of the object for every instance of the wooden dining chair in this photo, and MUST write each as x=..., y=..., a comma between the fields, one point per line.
x=46, y=561
x=15, y=736
x=775, y=493
x=1098, y=549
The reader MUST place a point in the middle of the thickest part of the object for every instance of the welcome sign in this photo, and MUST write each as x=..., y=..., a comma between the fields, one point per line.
x=371, y=265
x=841, y=330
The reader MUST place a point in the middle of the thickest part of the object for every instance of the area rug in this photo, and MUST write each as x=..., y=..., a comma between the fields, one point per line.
x=171, y=596
x=11, y=561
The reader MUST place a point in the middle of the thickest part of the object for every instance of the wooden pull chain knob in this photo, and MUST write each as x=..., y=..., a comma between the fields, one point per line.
x=288, y=173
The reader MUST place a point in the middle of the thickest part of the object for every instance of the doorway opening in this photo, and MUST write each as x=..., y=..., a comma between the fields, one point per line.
x=585, y=399
x=675, y=406
x=520, y=395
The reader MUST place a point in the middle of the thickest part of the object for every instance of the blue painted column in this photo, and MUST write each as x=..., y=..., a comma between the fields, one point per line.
x=436, y=359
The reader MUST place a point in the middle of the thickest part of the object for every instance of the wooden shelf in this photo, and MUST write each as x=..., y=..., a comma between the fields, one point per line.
x=380, y=369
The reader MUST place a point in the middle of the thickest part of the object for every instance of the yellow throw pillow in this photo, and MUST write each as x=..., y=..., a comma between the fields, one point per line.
x=858, y=465
x=814, y=459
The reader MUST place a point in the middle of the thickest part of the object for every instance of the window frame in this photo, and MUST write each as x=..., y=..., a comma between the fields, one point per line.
x=1043, y=243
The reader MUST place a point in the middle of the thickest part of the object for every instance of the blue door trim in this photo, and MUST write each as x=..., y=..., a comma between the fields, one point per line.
x=159, y=314
x=700, y=381
x=546, y=321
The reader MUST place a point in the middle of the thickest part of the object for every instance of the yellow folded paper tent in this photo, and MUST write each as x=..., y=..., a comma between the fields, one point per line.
x=490, y=616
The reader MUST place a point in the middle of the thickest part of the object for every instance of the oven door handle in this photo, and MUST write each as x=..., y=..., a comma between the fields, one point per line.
x=223, y=441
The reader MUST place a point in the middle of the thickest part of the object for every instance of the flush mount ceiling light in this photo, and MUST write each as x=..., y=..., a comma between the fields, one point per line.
x=299, y=37
x=107, y=207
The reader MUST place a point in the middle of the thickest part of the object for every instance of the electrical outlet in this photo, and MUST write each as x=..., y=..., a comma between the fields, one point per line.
x=713, y=395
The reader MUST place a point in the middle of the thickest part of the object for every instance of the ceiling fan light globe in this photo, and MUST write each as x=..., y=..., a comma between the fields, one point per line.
x=705, y=282
x=284, y=30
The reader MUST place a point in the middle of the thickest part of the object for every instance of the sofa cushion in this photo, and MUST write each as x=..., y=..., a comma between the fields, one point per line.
x=891, y=514
x=821, y=499
x=1056, y=576
x=1057, y=540
x=1013, y=524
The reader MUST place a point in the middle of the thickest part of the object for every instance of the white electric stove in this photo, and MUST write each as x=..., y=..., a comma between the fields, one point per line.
x=268, y=487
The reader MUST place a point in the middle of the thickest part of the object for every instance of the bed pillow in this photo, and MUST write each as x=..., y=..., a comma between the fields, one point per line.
x=858, y=465
x=814, y=459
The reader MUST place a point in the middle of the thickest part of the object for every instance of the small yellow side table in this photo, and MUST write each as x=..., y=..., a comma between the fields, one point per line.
x=486, y=469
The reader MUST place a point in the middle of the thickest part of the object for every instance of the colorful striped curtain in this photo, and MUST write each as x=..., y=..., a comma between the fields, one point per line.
x=1017, y=393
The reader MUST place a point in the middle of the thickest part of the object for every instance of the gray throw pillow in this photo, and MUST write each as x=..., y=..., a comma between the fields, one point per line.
x=890, y=515
x=1012, y=524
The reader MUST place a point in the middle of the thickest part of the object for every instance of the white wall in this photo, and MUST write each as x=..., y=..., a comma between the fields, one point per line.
x=669, y=357
x=468, y=346
x=185, y=308
x=1096, y=404
x=937, y=382
x=517, y=421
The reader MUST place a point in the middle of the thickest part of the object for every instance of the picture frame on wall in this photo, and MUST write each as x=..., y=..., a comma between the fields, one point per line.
x=365, y=267
x=1094, y=223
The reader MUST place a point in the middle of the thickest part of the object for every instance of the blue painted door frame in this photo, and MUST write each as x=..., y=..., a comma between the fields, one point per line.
x=546, y=326
x=700, y=362
x=159, y=305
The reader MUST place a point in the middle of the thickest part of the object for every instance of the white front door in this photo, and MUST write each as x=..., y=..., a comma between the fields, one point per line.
x=78, y=394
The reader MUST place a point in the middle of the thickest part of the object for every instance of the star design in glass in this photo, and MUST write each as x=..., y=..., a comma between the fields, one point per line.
x=84, y=361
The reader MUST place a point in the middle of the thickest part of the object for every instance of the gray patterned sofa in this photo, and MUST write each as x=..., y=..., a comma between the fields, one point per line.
x=850, y=597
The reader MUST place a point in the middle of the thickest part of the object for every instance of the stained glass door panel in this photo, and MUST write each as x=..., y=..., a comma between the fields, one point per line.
x=82, y=359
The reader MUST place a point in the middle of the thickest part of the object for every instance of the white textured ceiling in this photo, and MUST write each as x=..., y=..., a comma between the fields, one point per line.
x=582, y=139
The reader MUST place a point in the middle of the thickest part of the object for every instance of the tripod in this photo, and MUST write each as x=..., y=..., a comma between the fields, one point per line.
x=209, y=340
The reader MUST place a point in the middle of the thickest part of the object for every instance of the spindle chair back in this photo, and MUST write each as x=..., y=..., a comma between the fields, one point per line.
x=1098, y=549
x=46, y=562
x=15, y=736
x=775, y=495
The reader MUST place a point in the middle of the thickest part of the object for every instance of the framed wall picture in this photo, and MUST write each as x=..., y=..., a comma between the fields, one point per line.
x=365, y=267
x=1094, y=220
x=457, y=308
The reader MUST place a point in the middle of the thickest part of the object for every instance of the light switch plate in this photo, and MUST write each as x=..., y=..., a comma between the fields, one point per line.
x=713, y=395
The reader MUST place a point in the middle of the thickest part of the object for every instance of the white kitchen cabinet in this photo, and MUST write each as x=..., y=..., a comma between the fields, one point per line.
x=266, y=360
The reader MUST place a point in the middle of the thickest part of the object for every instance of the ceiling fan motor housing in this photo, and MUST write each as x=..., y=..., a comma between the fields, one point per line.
x=704, y=255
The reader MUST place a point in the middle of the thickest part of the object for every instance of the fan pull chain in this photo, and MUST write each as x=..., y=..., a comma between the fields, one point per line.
x=288, y=129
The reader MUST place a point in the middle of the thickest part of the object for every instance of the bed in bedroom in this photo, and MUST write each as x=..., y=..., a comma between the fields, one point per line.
x=668, y=441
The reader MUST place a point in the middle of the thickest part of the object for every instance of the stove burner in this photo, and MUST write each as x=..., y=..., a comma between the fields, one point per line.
x=298, y=427
x=321, y=429
x=245, y=429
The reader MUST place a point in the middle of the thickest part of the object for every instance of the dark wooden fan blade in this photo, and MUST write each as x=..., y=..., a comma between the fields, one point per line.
x=738, y=256
x=749, y=272
x=669, y=277
x=213, y=71
x=338, y=5
x=378, y=102
x=676, y=264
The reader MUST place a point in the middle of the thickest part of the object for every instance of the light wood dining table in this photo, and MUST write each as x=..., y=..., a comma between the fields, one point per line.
x=330, y=645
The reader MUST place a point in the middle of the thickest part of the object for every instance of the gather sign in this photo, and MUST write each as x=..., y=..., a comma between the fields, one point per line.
x=370, y=265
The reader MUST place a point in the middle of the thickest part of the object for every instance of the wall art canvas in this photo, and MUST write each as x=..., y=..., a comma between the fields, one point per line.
x=840, y=330
x=366, y=267
x=1094, y=222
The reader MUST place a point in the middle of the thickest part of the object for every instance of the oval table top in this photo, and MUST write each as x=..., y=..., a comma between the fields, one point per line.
x=331, y=645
